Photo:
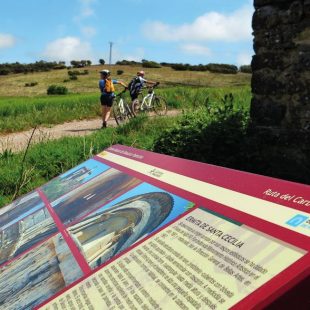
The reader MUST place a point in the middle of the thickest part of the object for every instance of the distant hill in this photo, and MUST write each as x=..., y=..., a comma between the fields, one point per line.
x=34, y=84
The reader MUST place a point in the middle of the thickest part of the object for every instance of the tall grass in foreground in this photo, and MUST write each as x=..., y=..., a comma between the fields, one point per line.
x=19, y=113
x=51, y=158
x=193, y=97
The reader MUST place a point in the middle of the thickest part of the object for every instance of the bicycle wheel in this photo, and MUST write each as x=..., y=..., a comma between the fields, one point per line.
x=160, y=105
x=119, y=117
x=128, y=110
x=135, y=107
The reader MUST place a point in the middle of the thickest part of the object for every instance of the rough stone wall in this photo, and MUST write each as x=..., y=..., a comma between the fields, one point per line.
x=281, y=65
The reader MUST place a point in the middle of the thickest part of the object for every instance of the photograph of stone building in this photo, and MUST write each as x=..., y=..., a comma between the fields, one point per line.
x=19, y=235
x=73, y=179
x=42, y=272
x=111, y=230
x=93, y=194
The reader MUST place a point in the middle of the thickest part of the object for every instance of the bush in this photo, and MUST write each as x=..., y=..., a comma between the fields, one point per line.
x=217, y=68
x=127, y=63
x=57, y=90
x=119, y=72
x=150, y=64
x=76, y=72
x=31, y=84
x=246, y=69
x=212, y=134
x=73, y=77
x=4, y=71
x=180, y=67
x=222, y=68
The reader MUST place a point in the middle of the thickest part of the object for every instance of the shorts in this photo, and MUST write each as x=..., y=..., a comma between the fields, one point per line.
x=107, y=99
x=134, y=96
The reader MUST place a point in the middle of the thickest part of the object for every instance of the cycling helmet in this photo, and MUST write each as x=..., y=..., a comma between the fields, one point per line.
x=105, y=72
x=140, y=73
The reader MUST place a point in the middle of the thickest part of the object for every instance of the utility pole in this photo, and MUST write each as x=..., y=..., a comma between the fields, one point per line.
x=110, y=59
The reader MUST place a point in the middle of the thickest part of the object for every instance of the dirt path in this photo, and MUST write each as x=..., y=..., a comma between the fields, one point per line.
x=17, y=142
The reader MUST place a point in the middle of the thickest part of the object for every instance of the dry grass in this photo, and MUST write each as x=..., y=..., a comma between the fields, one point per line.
x=14, y=85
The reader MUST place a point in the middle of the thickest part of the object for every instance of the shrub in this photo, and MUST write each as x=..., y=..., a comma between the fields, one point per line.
x=222, y=68
x=73, y=77
x=246, y=69
x=31, y=84
x=127, y=63
x=119, y=72
x=180, y=67
x=76, y=72
x=213, y=134
x=4, y=71
x=57, y=90
x=150, y=64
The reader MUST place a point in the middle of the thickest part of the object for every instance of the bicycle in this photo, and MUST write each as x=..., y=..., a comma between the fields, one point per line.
x=150, y=102
x=121, y=110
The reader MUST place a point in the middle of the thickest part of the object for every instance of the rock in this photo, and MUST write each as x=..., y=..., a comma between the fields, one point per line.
x=281, y=78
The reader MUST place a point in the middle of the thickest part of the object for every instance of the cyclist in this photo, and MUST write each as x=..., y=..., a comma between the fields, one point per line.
x=137, y=83
x=106, y=85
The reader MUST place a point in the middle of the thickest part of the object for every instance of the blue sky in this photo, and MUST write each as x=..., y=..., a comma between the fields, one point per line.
x=187, y=31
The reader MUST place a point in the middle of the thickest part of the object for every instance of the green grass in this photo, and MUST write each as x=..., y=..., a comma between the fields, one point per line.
x=14, y=84
x=17, y=114
x=49, y=159
x=192, y=97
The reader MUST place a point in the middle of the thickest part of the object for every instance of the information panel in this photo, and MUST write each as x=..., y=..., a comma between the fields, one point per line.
x=131, y=229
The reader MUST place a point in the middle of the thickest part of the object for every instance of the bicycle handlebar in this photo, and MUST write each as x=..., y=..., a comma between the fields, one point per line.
x=152, y=86
x=123, y=91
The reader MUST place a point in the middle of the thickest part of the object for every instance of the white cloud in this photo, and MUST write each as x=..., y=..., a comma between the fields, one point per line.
x=88, y=31
x=87, y=12
x=235, y=26
x=244, y=59
x=86, y=9
x=7, y=40
x=195, y=49
x=67, y=49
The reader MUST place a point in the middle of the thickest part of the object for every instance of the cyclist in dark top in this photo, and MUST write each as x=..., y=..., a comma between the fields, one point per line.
x=137, y=83
x=106, y=85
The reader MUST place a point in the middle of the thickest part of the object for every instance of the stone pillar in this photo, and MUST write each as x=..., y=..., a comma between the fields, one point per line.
x=281, y=65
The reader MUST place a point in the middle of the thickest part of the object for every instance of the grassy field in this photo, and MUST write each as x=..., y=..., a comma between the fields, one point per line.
x=14, y=85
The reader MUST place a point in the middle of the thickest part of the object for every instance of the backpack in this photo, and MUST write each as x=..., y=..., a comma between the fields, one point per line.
x=109, y=87
x=135, y=86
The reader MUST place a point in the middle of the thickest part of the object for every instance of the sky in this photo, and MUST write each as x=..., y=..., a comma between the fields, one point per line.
x=177, y=31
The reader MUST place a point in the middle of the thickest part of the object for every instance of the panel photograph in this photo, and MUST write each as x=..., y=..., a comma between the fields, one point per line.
x=116, y=226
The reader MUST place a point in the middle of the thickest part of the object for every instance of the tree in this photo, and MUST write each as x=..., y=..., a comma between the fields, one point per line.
x=101, y=61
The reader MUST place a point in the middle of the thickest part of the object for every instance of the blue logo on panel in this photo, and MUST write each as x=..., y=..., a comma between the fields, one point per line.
x=296, y=220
